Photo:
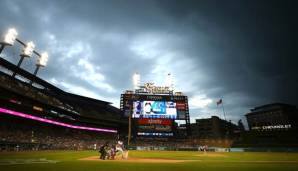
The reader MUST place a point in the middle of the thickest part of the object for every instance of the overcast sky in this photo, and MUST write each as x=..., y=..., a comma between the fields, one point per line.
x=242, y=51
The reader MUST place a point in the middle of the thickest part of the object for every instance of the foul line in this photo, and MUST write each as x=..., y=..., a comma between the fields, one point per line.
x=25, y=161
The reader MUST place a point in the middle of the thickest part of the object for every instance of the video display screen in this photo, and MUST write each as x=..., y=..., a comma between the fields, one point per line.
x=155, y=128
x=154, y=109
x=181, y=114
x=161, y=134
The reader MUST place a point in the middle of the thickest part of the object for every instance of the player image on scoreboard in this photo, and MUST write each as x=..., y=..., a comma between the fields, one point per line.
x=148, y=108
x=137, y=109
x=154, y=109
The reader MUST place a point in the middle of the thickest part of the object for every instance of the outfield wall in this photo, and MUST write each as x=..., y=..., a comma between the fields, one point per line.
x=217, y=149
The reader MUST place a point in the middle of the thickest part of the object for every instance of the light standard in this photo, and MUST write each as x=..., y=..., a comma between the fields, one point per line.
x=136, y=80
x=41, y=62
x=9, y=39
x=26, y=52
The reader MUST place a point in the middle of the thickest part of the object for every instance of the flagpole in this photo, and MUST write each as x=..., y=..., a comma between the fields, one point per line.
x=217, y=104
x=227, y=129
x=223, y=109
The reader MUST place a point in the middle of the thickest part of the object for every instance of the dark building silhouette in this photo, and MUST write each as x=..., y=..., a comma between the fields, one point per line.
x=214, y=128
x=271, y=125
x=273, y=117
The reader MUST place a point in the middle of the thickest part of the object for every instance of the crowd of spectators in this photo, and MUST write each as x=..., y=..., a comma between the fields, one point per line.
x=176, y=144
x=22, y=134
x=16, y=134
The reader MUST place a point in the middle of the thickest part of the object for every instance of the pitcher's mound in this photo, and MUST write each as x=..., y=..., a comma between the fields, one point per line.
x=136, y=160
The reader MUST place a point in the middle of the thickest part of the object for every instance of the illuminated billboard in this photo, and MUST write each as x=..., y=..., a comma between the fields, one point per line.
x=154, y=109
x=155, y=128
x=147, y=121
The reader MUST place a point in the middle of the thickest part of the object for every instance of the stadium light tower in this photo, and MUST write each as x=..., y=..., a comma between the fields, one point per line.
x=26, y=52
x=41, y=62
x=136, y=80
x=9, y=39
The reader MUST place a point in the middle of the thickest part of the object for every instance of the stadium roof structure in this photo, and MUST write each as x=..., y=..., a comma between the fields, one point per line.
x=270, y=106
x=84, y=109
x=46, y=85
x=13, y=68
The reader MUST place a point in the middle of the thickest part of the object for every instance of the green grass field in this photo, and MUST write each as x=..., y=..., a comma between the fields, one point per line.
x=69, y=160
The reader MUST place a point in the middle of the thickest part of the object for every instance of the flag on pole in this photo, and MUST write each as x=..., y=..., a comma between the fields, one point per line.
x=219, y=102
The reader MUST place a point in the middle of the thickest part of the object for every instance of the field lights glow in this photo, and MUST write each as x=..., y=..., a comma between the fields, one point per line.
x=136, y=80
x=28, y=50
x=27, y=116
x=11, y=36
x=43, y=59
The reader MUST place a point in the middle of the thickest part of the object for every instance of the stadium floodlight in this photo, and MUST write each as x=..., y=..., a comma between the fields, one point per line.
x=136, y=80
x=41, y=62
x=43, y=59
x=28, y=49
x=27, y=52
x=9, y=38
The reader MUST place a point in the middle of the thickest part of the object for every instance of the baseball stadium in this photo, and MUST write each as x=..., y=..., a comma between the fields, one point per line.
x=45, y=128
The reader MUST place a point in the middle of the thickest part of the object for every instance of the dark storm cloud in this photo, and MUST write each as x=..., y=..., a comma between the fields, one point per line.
x=241, y=51
x=250, y=46
x=254, y=53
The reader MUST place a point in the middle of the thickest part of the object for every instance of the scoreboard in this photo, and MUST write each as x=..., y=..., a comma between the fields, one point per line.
x=154, y=106
x=154, y=115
